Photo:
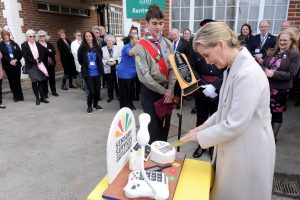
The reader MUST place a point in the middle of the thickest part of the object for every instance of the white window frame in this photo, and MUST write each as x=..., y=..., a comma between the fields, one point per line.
x=236, y=28
x=114, y=21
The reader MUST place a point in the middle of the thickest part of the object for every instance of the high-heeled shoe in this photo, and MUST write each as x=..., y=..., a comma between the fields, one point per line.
x=198, y=152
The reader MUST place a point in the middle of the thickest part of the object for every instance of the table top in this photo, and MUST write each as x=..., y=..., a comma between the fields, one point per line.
x=195, y=181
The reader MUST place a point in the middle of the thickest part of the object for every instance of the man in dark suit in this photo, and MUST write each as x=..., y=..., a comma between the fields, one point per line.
x=262, y=42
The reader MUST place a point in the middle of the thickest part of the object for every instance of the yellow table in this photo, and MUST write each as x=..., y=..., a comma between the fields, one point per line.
x=195, y=181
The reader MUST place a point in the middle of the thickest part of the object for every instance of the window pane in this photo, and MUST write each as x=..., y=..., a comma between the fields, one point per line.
x=230, y=24
x=269, y=12
x=185, y=3
x=54, y=8
x=208, y=13
x=230, y=13
x=175, y=13
x=208, y=2
x=198, y=14
x=184, y=24
x=220, y=2
x=254, y=2
x=42, y=6
x=230, y=2
x=253, y=25
x=280, y=12
x=220, y=13
x=185, y=13
x=175, y=3
x=243, y=12
x=65, y=10
x=282, y=2
x=277, y=26
x=253, y=13
x=175, y=24
x=244, y=2
x=270, y=2
x=196, y=26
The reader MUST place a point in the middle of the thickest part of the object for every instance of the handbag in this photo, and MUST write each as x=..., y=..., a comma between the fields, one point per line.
x=24, y=70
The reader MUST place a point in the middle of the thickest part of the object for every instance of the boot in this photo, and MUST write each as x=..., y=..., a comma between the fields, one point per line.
x=276, y=127
x=71, y=83
x=63, y=85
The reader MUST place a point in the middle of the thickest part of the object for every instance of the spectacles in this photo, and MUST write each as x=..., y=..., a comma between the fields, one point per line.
x=42, y=35
x=32, y=36
x=78, y=35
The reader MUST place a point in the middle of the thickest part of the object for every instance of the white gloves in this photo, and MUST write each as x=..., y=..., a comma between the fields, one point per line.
x=209, y=91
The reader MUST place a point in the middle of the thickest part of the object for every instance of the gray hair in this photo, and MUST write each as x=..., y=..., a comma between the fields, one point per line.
x=110, y=36
x=29, y=32
x=95, y=28
x=262, y=21
x=42, y=32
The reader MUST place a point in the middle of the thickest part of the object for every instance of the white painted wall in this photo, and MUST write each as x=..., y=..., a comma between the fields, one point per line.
x=14, y=22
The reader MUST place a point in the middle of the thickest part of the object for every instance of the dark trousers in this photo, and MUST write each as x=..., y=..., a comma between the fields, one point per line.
x=112, y=84
x=158, y=130
x=136, y=89
x=205, y=108
x=93, y=85
x=0, y=91
x=50, y=80
x=38, y=88
x=14, y=78
x=125, y=89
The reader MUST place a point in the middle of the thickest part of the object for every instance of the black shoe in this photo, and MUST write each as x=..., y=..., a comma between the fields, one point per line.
x=100, y=99
x=64, y=87
x=297, y=103
x=44, y=101
x=46, y=96
x=16, y=100
x=21, y=99
x=37, y=102
x=109, y=100
x=2, y=106
x=198, y=152
x=132, y=107
x=89, y=110
x=194, y=111
x=97, y=107
x=55, y=94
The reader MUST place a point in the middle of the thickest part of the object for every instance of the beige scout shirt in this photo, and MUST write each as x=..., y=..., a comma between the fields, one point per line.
x=148, y=71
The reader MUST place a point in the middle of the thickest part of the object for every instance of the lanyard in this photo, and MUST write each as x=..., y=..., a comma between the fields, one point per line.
x=262, y=41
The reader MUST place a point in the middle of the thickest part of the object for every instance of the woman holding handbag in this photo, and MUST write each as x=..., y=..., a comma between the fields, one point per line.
x=43, y=39
x=35, y=58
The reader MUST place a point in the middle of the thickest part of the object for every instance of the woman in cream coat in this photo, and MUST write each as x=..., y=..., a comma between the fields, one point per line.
x=241, y=128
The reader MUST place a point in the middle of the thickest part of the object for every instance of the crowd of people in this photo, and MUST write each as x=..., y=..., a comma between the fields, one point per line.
x=246, y=81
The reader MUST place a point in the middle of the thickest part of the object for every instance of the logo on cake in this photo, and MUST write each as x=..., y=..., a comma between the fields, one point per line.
x=123, y=136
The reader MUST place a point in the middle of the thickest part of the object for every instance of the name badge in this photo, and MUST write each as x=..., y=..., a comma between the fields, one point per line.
x=257, y=50
x=11, y=55
x=92, y=63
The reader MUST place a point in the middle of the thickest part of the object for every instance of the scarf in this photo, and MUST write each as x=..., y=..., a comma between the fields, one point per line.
x=35, y=54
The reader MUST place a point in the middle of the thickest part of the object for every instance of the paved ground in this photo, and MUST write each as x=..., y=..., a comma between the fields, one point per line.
x=57, y=151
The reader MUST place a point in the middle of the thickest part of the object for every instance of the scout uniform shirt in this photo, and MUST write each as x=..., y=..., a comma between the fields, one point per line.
x=148, y=70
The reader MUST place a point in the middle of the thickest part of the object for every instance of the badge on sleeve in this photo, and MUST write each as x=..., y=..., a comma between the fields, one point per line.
x=257, y=50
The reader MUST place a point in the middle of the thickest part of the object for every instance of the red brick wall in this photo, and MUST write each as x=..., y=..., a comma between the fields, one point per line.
x=3, y=21
x=294, y=13
x=33, y=19
x=166, y=24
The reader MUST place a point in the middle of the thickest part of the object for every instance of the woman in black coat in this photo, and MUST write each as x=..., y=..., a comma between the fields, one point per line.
x=50, y=65
x=67, y=59
x=37, y=77
x=90, y=59
x=11, y=56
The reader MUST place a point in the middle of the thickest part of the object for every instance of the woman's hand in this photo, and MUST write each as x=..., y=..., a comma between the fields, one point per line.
x=269, y=73
x=169, y=95
x=192, y=135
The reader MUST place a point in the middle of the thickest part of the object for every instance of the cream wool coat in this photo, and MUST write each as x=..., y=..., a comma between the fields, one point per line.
x=242, y=134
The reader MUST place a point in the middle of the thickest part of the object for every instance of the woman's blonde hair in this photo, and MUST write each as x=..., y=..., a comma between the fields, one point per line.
x=294, y=41
x=213, y=32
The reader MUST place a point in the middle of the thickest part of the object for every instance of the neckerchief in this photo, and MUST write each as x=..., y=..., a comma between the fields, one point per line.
x=156, y=42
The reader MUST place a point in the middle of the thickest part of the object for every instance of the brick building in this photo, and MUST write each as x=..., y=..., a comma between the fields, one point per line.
x=51, y=15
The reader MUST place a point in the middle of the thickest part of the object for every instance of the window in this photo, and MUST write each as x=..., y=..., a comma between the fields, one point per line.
x=115, y=15
x=189, y=13
x=54, y=8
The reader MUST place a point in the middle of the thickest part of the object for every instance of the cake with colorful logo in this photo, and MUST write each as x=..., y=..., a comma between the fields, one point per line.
x=162, y=152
